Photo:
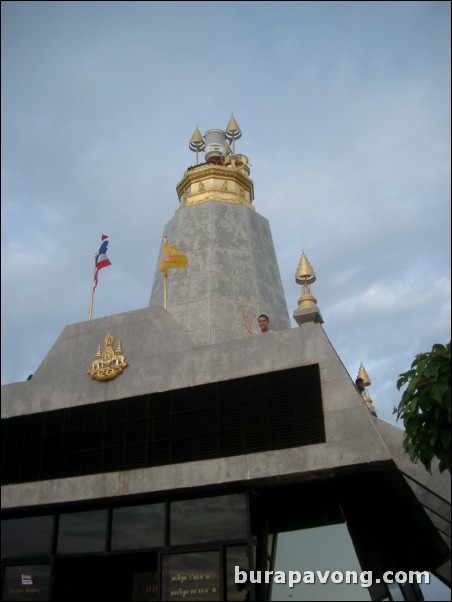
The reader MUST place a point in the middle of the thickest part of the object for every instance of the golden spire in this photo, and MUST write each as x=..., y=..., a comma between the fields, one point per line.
x=363, y=374
x=305, y=276
x=233, y=132
x=197, y=143
x=364, y=377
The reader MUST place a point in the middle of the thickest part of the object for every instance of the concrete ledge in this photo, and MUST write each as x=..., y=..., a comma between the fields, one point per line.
x=289, y=465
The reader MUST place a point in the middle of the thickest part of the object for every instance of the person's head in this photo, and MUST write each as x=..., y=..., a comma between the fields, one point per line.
x=359, y=382
x=263, y=321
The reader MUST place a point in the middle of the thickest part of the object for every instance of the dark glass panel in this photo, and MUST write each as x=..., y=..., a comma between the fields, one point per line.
x=93, y=435
x=27, y=536
x=72, y=440
x=15, y=427
x=82, y=532
x=232, y=443
x=114, y=434
x=95, y=414
x=50, y=467
x=138, y=527
x=182, y=424
x=35, y=423
x=237, y=556
x=55, y=421
x=30, y=468
x=14, y=447
x=71, y=463
x=26, y=582
x=181, y=449
x=135, y=456
x=193, y=576
x=136, y=430
x=75, y=417
x=138, y=408
x=259, y=413
x=159, y=428
x=113, y=458
x=32, y=446
x=159, y=455
x=182, y=400
x=220, y=518
x=52, y=444
x=105, y=578
x=116, y=411
x=206, y=421
x=91, y=461
x=205, y=445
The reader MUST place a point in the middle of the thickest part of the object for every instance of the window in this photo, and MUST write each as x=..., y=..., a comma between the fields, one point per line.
x=27, y=536
x=326, y=548
x=81, y=532
x=137, y=527
x=192, y=576
x=26, y=582
x=237, y=556
x=212, y=519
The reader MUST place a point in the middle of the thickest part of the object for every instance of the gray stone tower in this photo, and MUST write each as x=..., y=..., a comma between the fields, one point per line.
x=232, y=262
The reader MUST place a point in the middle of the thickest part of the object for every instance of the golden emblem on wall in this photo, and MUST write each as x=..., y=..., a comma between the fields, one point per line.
x=109, y=363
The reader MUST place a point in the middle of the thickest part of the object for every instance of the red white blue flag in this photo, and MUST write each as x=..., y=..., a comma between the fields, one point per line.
x=101, y=259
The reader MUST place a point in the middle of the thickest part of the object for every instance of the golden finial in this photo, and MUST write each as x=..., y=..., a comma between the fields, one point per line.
x=305, y=273
x=233, y=132
x=363, y=374
x=305, y=276
x=197, y=143
x=362, y=381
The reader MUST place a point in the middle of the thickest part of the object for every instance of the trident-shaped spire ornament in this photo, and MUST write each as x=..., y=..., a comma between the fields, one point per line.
x=305, y=276
x=197, y=143
x=233, y=132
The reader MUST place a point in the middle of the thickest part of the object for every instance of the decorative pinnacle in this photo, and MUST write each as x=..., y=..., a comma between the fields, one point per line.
x=233, y=132
x=305, y=273
x=305, y=276
x=363, y=374
x=197, y=143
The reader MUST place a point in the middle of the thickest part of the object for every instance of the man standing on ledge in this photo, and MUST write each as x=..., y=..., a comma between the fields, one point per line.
x=262, y=320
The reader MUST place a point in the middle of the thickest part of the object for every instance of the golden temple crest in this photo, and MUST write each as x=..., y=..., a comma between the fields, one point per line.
x=109, y=363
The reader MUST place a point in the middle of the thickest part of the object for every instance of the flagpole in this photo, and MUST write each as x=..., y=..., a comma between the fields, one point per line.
x=165, y=274
x=165, y=278
x=90, y=312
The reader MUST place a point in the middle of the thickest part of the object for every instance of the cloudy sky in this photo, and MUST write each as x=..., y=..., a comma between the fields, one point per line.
x=345, y=114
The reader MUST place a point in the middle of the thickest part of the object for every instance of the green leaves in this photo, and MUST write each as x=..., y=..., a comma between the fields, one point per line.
x=425, y=407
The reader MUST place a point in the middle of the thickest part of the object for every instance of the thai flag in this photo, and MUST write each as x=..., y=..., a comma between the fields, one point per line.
x=102, y=260
x=26, y=579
